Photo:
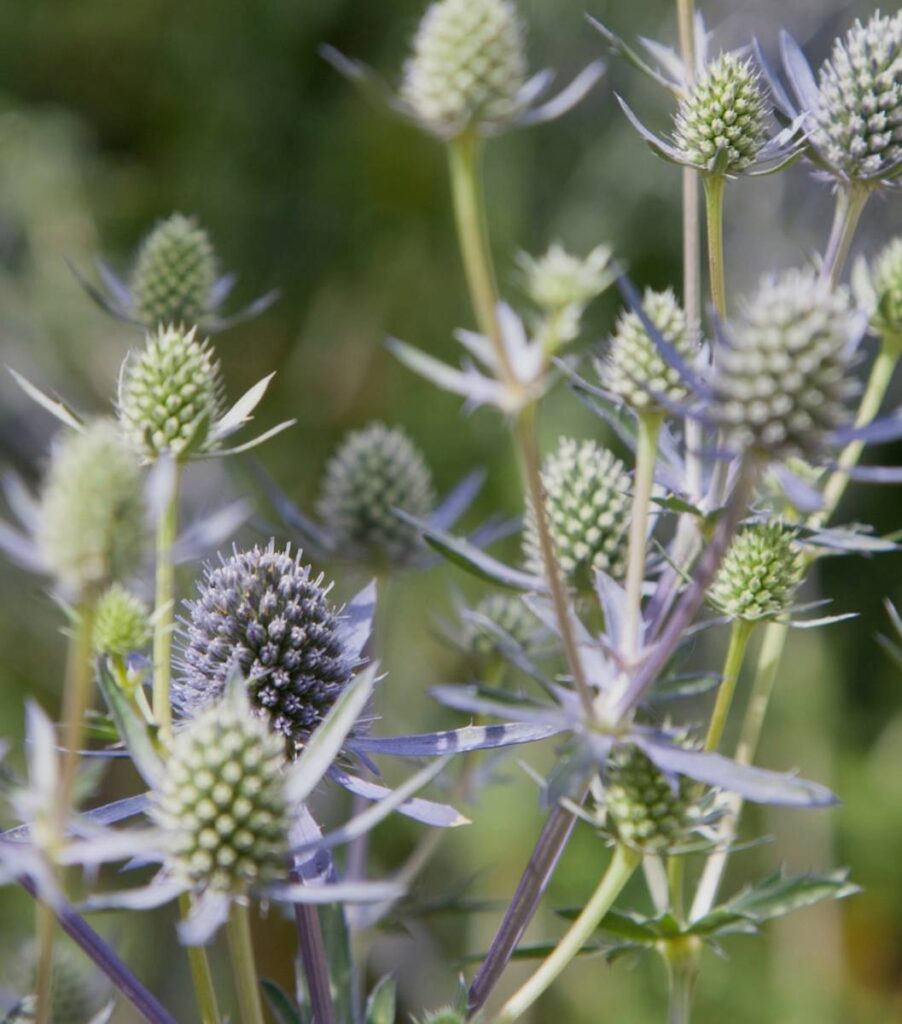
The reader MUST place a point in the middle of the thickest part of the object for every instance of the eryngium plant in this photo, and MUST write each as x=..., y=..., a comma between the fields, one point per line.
x=121, y=623
x=759, y=574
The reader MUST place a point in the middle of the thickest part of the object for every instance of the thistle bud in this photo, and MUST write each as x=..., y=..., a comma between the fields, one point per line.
x=587, y=503
x=634, y=368
x=375, y=471
x=559, y=279
x=759, y=574
x=724, y=112
x=643, y=810
x=222, y=803
x=782, y=383
x=121, y=623
x=468, y=65
x=886, y=280
x=90, y=526
x=174, y=275
x=264, y=611
x=447, y=1015
x=857, y=122
x=170, y=394
x=509, y=614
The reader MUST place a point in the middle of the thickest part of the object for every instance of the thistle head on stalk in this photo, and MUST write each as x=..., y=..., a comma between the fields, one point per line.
x=121, y=623
x=878, y=289
x=760, y=573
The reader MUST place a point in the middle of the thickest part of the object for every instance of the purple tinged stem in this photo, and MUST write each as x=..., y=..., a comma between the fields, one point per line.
x=315, y=963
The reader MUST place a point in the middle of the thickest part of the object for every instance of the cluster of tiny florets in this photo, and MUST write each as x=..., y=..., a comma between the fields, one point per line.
x=886, y=280
x=759, y=574
x=91, y=522
x=171, y=394
x=559, y=279
x=468, y=65
x=634, y=368
x=121, y=623
x=375, y=471
x=174, y=274
x=587, y=503
x=724, y=112
x=509, y=614
x=644, y=810
x=857, y=123
x=263, y=611
x=222, y=804
x=782, y=382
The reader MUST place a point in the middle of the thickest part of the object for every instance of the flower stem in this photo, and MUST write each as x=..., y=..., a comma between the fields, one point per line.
x=315, y=962
x=241, y=952
x=850, y=202
x=681, y=957
x=643, y=481
x=201, y=976
x=739, y=638
x=45, y=933
x=164, y=605
x=714, y=190
x=620, y=869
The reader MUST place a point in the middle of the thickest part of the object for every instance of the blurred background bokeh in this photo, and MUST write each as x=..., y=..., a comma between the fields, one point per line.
x=113, y=115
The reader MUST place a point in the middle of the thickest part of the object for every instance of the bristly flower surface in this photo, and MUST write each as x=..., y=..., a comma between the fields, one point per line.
x=878, y=289
x=264, y=611
x=121, y=623
x=759, y=574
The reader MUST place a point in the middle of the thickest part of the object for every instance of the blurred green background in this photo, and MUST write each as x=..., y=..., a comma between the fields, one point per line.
x=112, y=115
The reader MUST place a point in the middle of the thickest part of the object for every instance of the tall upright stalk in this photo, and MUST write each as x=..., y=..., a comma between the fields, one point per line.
x=739, y=638
x=244, y=968
x=715, y=185
x=164, y=611
x=850, y=203
x=681, y=957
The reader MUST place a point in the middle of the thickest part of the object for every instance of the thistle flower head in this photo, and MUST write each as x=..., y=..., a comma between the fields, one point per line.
x=558, y=279
x=634, y=368
x=646, y=810
x=90, y=528
x=446, y=1015
x=376, y=470
x=222, y=802
x=171, y=394
x=174, y=275
x=879, y=289
x=77, y=994
x=588, y=506
x=781, y=381
x=759, y=574
x=725, y=112
x=509, y=614
x=467, y=67
x=121, y=623
x=263, y=611
x=857, y=120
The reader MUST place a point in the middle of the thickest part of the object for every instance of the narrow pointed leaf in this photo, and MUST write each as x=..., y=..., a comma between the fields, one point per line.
x=426, y=811
x=457, y=741
x=55, y=406
x=356, y=622
x=132, y=729
x=458, y=501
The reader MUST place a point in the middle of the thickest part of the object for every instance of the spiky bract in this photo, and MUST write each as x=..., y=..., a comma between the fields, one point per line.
x=264, y=611
x=587, y=503
x=759, y=574
x=374, y=471
x=559, y=279
x=467, y=67
x=91, y=525
x=174, y=274
x=171, y=394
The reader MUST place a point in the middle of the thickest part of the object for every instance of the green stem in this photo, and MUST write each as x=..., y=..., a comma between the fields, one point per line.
x=676, y=870
x=201, y=976
x=649, y=427
x=850, y=203
x=739, y=638
x=45, y=930
x=681, y=957
x=241, y=951
x=164, y=606
x=621, y=868
x=714, y=190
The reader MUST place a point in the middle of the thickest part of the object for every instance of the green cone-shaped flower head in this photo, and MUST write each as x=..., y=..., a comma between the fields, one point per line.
x=90, y=528
x=373, y=472
x=446, y=1015
x=558, y=279
x=759, y=574
x=857, y=123
x=171, y=394
x=587, y=503
x=121, y=623
x=643, y=811
x=222, y=802
x=264, y=611
x=467, y=67
x=782, y=382
x=726, y=112
x=634, y=368
x=508, y=613
x=886, y=280
x=174, y=274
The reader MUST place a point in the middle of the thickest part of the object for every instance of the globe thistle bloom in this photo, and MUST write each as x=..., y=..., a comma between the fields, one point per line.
x=853, y=110
x=634, y=368
x=264, y=611
x=121, y=623
x=878, y=289
x=374, y=472
x=174, y=282
x=171, y=398
x=90, y=525
x=467, y=73
x=759, y=575
x=587, y=502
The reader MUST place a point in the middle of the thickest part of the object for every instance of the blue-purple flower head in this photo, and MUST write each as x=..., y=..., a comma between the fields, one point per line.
x=263, y=611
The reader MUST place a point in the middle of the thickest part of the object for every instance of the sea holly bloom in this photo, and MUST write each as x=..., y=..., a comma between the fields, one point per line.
x=174, y=282
x=122, y=623
x=759, y=574
x=878, y=289
x=467, y=73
